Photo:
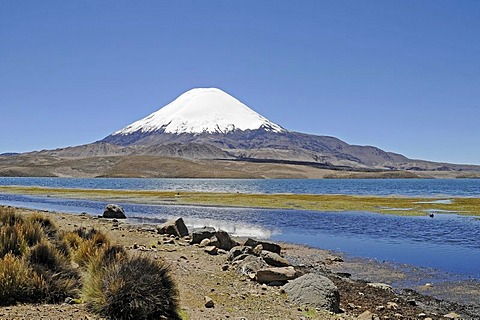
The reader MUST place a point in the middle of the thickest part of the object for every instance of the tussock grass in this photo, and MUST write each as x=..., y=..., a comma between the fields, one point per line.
x=9, y=217
x=45, y=223
x=12, y=241
x=61, y=279
x=132, y=288
x=36, y=265
x=90, y=248
x=18, y=281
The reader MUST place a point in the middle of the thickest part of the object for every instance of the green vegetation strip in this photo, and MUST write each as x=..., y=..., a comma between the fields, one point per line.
x=389, y=204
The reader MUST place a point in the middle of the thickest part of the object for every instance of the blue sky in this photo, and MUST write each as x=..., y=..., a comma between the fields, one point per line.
x=402, y=75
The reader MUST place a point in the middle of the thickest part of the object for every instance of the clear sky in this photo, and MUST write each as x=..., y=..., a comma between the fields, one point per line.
x=402, y=75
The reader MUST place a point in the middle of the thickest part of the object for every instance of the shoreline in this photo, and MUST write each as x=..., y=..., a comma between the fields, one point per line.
x=193, y=261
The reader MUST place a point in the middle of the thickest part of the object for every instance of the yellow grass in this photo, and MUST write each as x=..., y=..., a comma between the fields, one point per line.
x=387, y=204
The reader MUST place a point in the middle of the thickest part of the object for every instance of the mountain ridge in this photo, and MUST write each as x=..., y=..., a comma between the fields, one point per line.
x=207, y=124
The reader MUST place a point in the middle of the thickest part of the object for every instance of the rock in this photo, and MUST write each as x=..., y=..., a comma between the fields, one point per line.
x=168, y=241
x=274, y=259
x=114, y=211
x=269, y=246
x=314, y=291
x=412, y=302
x=209, y=302
x=392, y=306
x=380, y=285
x=258, y=250
x=211, y=250
x=175, y=228
x=205, y=243
x=225, y=267
x=268, y=275
x=251, y=264
x=202, y=233
x=240, y=257
x=224, y=240
x=422, y=315
x=367, y=315
x=452, y=315
x=238, y=250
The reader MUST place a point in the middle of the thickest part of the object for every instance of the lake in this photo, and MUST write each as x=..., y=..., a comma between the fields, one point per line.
x=382, y=187
x=448, y=242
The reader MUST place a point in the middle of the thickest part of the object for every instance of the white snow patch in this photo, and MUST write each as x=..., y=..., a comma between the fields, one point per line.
x=202, y=110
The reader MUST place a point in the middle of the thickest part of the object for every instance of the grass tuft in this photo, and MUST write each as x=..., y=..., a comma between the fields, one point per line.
x=133, y=288
x=9, y=217
x=12, y=241
x=18, y=282
x=48, y=226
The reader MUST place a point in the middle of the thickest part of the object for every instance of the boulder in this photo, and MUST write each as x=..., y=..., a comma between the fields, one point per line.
x=274, y=259
x=251, y=264
x=315, y=291
x=266, y=245
x=275, y=274
x=202, y=233
x=237, y=251
x=174, y=227
x=114, y=211
x=224, y=240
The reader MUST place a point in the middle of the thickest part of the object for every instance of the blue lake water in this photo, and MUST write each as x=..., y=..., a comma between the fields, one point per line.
x=448, y=242
x=407, y=187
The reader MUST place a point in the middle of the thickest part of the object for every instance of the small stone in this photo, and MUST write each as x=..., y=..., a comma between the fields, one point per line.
x=379, y=285
x=267, y=245
x=257, y=250
x=366, y=315
x=209, y=302
x=380, y=308
x=204, y=243
x=398, y=315
x=212, y=250
x=452, y=315
x=422, y=315
x=412, y=302
x=225, y=267
x=276, y=274
x=392, y=306
x=168, y=241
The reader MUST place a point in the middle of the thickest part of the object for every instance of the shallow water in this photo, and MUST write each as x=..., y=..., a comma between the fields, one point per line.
x=449, y=243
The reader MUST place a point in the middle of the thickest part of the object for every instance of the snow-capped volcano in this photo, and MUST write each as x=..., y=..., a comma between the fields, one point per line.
x=202, y=110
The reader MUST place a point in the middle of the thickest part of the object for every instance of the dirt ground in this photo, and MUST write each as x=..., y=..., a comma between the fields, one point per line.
x=198, y=274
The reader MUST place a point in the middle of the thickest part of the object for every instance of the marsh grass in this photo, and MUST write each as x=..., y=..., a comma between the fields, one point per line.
x=333, y=203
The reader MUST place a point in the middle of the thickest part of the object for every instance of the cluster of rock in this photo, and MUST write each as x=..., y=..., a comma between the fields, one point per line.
x=261, y=261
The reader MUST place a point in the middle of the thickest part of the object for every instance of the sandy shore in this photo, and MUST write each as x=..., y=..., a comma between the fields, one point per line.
x=199, y=274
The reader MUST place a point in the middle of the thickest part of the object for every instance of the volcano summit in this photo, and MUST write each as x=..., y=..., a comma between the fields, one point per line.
x=206, y=132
